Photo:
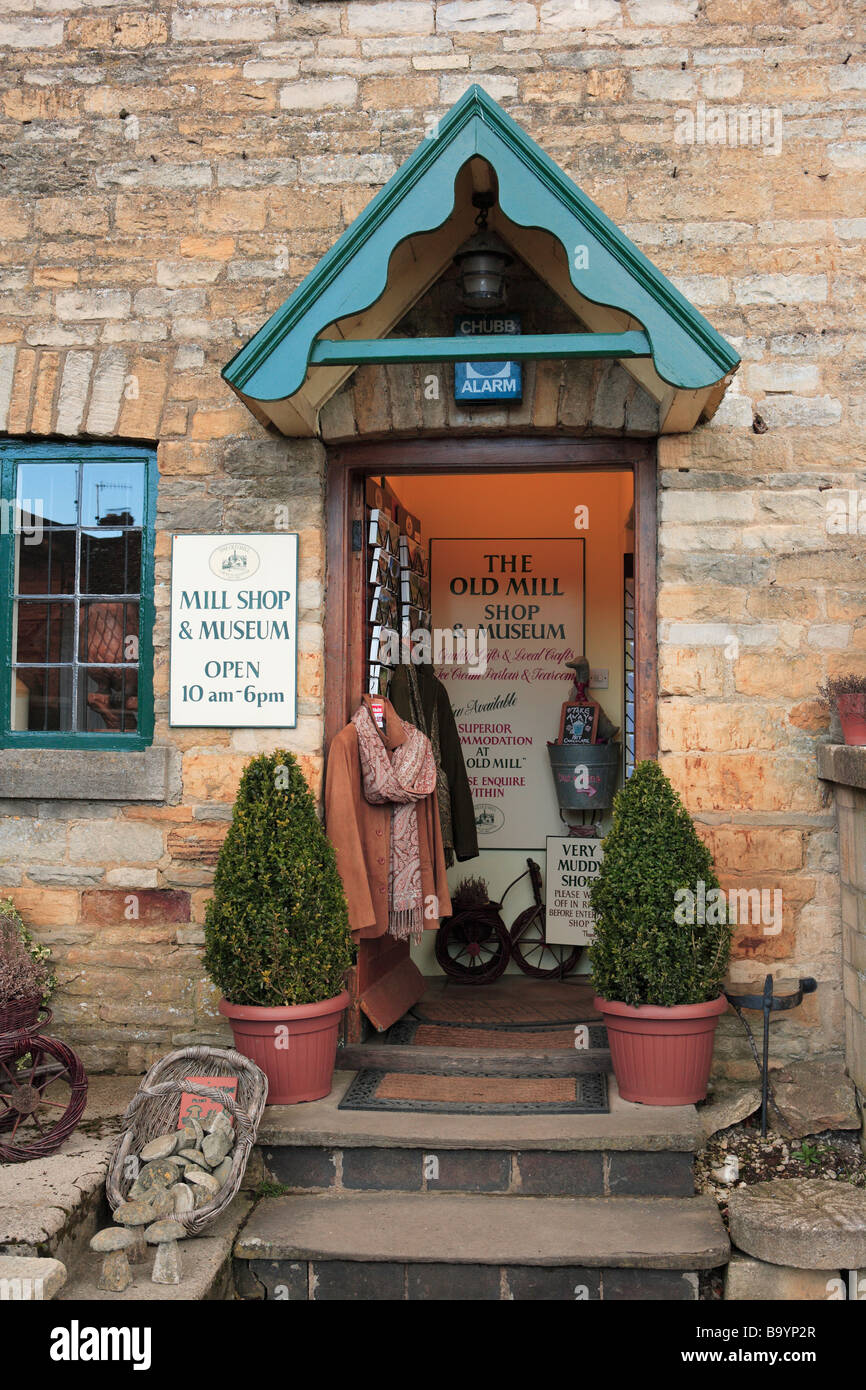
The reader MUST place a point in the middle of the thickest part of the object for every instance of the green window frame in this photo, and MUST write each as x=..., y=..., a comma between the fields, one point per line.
x=14, y=456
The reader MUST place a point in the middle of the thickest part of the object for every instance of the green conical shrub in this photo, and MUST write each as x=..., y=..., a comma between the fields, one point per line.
x=277, y=927
x=645, y=949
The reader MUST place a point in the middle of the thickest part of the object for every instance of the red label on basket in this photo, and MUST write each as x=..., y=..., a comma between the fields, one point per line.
x=197, y=1107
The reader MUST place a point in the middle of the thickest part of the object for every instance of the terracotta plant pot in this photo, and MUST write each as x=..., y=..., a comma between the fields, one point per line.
x=852, y=717
x=662, y=1056
x=295, y=1046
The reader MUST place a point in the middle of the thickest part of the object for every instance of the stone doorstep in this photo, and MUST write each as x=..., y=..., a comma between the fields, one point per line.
x=321, y=1123
x=660, y=1233
x=27, y=1279
x=206, y=1268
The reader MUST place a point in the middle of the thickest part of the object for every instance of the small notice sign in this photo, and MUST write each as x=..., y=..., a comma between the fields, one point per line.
x=572, y=865
x=479, y=383
x=234, y=631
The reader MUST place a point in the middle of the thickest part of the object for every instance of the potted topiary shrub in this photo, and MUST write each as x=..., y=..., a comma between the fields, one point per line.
x=661, y=945
x=847, y=695
x=277, y=940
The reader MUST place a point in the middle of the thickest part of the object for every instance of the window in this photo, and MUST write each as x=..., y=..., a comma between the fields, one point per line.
x=76, y=612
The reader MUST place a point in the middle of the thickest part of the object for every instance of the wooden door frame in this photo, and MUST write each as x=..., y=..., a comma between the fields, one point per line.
x=349, y=464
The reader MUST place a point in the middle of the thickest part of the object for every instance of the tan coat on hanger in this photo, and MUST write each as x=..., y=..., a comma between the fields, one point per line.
x=361, y=835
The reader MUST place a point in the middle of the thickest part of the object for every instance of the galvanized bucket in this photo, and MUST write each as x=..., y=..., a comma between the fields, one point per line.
x=584, y=774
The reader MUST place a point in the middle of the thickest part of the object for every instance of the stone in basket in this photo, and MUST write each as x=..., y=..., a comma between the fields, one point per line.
x=153, y=1115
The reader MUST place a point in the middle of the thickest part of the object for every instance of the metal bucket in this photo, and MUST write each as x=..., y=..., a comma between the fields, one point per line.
x=599, y=765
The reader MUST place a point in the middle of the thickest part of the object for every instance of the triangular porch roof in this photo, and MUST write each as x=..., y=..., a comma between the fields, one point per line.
x=342, y=313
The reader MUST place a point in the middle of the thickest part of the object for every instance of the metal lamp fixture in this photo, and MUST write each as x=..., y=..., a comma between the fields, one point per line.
x=482, y=261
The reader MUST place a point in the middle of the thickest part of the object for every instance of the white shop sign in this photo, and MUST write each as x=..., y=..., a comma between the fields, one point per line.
x=527, y=598
x=234, y=631
x=572, y=865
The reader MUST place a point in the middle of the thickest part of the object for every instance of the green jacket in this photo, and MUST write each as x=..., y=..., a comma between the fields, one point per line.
x=458, y=809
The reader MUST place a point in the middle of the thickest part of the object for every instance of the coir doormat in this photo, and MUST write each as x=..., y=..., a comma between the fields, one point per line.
x=477, y=1094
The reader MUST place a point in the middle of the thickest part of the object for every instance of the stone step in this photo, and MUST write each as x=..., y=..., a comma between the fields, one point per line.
x=449, y=1061
x=389, y=1246
x=50, y=1207
x=635, y=1150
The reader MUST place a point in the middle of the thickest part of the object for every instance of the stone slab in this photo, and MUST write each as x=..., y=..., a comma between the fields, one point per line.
x=628, y=1126
x=635, y=1233
x=205, y=1268
x=748, y=1280
x=151, y=774
x=815, y=1095
x=728, y=1104
x=810, y=1223
x=28, y=1279
x=49, y=1205
x=840, y=762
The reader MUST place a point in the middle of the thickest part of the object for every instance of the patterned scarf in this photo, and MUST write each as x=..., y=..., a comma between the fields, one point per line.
x=402, y=777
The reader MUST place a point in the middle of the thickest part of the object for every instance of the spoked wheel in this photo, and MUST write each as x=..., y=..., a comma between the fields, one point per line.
x=473, y=947
x=43, y=1091
x=534, y=954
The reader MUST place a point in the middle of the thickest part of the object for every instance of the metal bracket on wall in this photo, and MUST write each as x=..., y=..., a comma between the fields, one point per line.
x=768, y=1003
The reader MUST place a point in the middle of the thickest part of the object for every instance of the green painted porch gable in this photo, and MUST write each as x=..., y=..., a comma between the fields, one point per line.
x=605, y=268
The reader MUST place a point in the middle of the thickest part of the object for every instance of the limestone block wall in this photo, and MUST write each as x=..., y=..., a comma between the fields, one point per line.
x=171, y=171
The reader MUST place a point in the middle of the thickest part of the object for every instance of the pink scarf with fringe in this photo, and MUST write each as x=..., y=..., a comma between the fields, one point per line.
x=403, y=778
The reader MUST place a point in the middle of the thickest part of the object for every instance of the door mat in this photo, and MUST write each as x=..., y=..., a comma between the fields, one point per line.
x=527, y=1005
x=551, y=1037
x=476, y=1094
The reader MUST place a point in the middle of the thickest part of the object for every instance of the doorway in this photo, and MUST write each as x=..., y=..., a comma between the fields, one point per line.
x=583, y=507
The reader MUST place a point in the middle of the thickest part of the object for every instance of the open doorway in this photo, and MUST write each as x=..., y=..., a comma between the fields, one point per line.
x=549, y=546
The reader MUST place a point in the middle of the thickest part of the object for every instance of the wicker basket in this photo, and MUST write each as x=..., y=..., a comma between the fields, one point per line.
x=154, y=1110
x=20, y=1015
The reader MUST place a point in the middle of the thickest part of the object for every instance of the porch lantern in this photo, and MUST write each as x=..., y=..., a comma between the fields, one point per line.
x=482, y=261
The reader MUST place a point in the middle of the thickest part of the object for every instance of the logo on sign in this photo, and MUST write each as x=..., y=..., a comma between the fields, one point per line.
x=488, y=819
x=235, y=561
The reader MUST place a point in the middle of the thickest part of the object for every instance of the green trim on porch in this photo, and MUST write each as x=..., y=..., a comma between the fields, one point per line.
x=494, y=348
x=604, y=267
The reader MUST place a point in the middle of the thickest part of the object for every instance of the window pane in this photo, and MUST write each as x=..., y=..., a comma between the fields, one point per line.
x=47, y=494
x=45, y=632
x=48, y=566
x=110, y=562
x=42, y=699
x=113, y=494
x=108, y=699
x=109, y=633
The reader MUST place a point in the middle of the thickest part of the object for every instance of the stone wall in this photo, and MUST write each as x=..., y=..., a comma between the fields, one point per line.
x=170, y=173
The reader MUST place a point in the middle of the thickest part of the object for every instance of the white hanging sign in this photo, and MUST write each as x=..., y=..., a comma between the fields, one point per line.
x=572, y=866
x=234, y=631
